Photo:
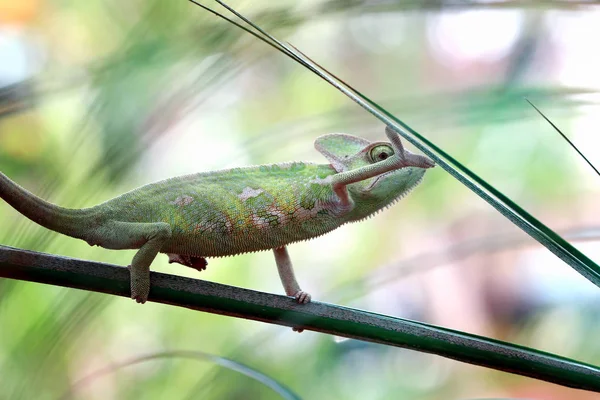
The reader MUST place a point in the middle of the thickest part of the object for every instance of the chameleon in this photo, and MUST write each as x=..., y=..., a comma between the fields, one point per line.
x=239, y=210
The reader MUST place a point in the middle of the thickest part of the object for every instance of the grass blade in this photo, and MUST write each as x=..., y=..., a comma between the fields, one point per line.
x=232, y=365
x=536, y=229
x=564, y=137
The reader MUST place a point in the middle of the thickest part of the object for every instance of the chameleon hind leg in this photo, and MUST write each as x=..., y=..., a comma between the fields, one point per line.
x=149, y=238
x=198, y=263
x=286, y=274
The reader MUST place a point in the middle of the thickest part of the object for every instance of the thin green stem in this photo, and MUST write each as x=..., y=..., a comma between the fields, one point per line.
x=564, y=136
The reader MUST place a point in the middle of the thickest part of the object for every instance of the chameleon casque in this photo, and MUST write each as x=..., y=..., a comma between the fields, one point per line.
x=239, y=210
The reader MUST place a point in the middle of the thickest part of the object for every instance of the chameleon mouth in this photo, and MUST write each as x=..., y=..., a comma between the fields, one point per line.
x=382, y=176
x=372, y=185
x=411, y=173
x=395, y=199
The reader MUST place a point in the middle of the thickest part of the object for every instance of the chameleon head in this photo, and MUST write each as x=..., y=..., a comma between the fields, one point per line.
x=348, y=153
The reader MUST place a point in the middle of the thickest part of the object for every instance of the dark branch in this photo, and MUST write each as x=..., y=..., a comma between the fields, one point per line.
x=227, y=300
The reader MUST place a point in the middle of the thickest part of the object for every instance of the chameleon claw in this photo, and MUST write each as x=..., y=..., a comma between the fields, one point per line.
x=302, y=297
x=198, y=263
x=421, y=161
x=138, y=297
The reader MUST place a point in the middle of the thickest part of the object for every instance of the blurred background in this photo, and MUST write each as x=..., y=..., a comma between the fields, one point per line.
x=99, y=97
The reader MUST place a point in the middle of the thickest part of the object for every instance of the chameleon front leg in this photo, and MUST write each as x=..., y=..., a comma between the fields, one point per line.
x=286, y=274
x=400, y=159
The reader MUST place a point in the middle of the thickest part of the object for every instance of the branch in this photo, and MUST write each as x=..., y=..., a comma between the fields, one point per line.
x=327, y=318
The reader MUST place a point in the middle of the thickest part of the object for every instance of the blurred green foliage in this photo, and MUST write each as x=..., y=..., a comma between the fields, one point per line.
x=126, y=93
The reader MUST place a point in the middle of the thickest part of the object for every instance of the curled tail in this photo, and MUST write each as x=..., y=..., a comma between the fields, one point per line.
x=67, y=221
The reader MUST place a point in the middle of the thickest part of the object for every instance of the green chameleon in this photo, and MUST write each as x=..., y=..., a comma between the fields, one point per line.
x=239, y=210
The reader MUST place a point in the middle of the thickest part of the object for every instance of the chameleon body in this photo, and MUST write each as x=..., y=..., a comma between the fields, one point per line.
x=239, y=210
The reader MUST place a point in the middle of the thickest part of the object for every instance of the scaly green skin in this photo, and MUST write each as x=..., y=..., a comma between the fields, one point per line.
x=239, y=210
x=234, y=211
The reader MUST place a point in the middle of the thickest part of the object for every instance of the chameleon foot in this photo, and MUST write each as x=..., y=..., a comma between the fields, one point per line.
x=302, y=297
x=140, y=288
x=138, y=299
x=198, y=263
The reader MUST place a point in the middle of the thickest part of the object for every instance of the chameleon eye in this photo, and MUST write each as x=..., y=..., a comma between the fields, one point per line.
x=380, y=153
